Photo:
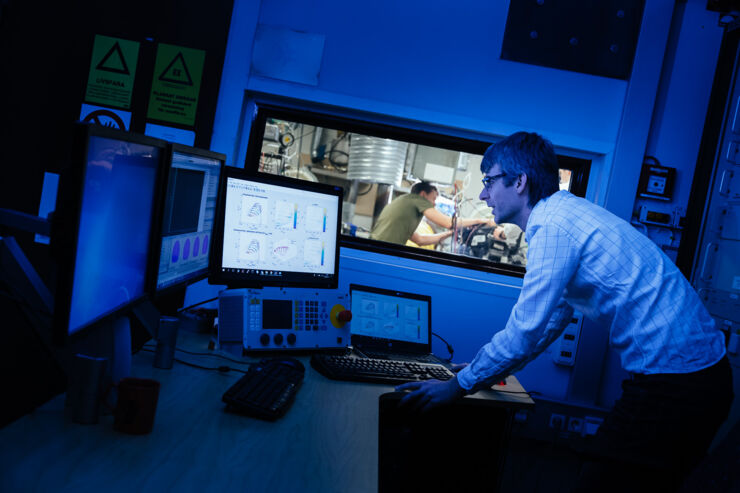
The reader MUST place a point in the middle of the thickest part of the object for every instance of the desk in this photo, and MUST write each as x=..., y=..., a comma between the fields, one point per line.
x=328, y=440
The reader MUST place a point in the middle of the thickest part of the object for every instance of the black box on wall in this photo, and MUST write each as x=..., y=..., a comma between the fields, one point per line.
x=597, y=38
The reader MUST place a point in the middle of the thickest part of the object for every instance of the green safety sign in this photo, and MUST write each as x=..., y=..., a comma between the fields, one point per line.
x=112, y=71
x=176, y=84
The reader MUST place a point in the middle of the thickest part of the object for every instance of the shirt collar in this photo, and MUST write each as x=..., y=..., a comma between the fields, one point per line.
x=539, y=208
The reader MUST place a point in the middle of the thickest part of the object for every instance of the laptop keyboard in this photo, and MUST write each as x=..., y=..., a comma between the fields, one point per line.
x=377, y=370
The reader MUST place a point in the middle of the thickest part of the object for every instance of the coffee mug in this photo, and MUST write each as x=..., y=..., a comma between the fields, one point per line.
x=137, y=405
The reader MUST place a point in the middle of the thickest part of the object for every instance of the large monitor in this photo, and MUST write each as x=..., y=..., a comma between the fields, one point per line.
x=188, y=210
x=275, y=231
x=103, y=226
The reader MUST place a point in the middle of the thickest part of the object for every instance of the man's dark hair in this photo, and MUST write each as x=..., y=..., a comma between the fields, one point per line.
x=423, y=186
x=525, y=153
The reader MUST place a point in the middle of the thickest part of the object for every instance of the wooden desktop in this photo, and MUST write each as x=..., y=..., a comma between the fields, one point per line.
x=327, y=441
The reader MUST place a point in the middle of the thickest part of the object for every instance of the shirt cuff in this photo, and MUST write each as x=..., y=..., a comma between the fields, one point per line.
x=465, y=379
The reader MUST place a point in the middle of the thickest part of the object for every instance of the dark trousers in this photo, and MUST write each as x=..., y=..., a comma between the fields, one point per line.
x=659, y=430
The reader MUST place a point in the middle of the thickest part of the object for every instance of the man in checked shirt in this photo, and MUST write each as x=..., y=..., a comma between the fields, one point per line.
x=583, y=257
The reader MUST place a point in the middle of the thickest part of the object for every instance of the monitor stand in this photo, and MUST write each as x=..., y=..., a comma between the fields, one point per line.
x=110, y=340
x=121, y=362
x=145, y=316
x=98, y=362
x=113, y=341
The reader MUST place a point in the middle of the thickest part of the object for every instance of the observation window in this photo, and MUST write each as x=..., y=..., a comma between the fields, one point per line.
x=377, y=163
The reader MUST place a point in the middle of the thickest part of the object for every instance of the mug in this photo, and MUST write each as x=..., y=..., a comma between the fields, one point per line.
x=137, y=404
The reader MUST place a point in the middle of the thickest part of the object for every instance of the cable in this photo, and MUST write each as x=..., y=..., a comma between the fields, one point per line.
x=528, y=393
x=652, y=158
x=473, y=229
x=196, y=304
x=337, y=164
x=332, y=150
x=457, y=198
x=215, y=355
x=370, y=187
x=449, y=347
x=638, y=224
x=222, y=369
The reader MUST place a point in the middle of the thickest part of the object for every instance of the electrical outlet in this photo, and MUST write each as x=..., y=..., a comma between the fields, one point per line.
x=591, y=425
x=575, y=424
x=557, y=421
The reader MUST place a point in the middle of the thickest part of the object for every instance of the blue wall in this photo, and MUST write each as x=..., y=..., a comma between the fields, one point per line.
x=437, y=65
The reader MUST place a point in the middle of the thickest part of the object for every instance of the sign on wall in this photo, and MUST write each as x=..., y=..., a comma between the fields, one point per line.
x=176, y=84
x=106, y=117
x=112, y=72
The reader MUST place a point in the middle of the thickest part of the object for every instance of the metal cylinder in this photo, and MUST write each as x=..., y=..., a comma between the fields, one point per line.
x=376, y=160
x=164, y=355
x=86, y=388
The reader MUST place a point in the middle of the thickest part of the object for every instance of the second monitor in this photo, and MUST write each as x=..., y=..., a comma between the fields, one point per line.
x=275, y=231
x=188, y=211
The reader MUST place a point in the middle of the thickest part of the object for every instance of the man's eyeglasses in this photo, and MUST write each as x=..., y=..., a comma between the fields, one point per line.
x=490, y=180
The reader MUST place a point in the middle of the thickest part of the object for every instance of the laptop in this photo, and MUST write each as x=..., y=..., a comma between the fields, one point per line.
x=389, y=324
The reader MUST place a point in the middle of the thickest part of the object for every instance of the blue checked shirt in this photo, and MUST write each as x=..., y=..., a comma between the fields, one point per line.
x=584, y=257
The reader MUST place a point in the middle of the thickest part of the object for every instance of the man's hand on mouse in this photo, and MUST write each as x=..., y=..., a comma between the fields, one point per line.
x=429, y=394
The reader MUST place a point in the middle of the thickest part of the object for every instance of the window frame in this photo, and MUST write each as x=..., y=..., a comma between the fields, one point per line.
x=401, y=131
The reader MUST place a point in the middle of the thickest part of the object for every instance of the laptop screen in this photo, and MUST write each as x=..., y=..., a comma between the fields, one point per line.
x=393, y=320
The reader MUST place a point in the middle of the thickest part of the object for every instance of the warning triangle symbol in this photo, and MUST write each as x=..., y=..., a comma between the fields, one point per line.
x=113, y=61
x=177, y=72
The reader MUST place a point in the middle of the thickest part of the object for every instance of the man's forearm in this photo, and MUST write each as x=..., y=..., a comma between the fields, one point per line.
x=422, y=240
x=470, y=221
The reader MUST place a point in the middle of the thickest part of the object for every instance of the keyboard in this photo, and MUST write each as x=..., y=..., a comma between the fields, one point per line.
x=267, y=390
x=422, y=358
x=377, y=370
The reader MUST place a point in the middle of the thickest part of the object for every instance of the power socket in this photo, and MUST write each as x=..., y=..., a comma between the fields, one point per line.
x=575, y=424
x=591, y=425
x=557, y=421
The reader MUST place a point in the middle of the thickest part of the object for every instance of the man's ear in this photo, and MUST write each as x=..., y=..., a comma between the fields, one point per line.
x=521, y=183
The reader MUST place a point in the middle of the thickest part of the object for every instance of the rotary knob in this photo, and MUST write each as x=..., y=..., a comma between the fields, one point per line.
x=278, y=339
x=291, y=339
x=264, y=339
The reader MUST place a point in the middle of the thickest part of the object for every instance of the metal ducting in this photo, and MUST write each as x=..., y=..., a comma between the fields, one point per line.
x=376, y=160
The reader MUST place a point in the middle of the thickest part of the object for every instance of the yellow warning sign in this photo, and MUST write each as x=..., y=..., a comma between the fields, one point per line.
x=177, y=72
x=176, y=84
x=112, y=72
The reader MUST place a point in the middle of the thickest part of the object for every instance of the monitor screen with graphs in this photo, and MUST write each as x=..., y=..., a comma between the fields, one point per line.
x=275, y=231
x=188, y=209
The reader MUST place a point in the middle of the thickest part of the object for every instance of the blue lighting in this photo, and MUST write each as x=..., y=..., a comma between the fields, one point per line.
x=115, y=224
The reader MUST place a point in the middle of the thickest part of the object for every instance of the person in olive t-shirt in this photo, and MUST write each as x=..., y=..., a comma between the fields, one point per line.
x=399, y=219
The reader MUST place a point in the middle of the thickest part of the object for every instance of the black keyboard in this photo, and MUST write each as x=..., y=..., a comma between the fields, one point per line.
x=377, y=370
x=267, y=390
x=422, y=358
